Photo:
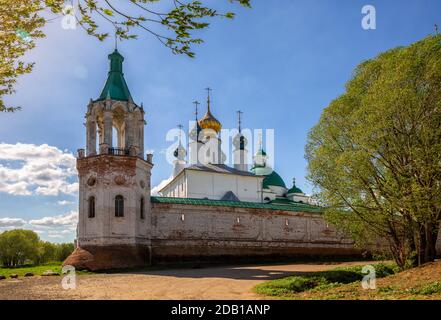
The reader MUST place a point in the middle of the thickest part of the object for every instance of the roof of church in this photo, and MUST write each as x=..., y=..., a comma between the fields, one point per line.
x=220, y=168
x=294, y=189
x=276, y=205
x=272, y=178
x=116, y=87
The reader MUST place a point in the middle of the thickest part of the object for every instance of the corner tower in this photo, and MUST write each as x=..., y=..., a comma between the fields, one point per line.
x=114, y=178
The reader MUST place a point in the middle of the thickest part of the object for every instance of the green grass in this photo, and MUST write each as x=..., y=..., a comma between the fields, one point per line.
x=317, y=281
x=35, y=269
x=428, y=289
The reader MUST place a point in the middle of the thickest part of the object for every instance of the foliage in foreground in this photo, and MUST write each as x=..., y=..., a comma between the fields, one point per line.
x=172, y=23
x=20, y=247
x=375, y=155
x=420, y=283
x=316, y=281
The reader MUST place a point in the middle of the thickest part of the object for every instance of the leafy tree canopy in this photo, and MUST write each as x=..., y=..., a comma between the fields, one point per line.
x=19, y=247
x=21, y=21
x=375, y=155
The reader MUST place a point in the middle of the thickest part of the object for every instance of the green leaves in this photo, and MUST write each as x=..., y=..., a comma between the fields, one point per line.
x=175, y=29
x=108, y=12
x=375, y=155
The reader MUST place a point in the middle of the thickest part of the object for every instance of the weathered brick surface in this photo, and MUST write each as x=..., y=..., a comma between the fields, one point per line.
x=209, y=234
x=109, y=257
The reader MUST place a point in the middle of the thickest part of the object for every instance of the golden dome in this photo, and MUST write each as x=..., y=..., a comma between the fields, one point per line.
x=210, y=122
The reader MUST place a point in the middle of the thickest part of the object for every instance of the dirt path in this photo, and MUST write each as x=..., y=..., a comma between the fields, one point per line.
x=228, y=282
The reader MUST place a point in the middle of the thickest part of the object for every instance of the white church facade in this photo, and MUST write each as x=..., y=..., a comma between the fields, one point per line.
x=204, y=175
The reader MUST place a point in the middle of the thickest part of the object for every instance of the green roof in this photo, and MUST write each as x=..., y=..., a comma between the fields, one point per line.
x=275, y=205
x=273, y=180
x=282, y=201
x=116, y=87
x=294, y=188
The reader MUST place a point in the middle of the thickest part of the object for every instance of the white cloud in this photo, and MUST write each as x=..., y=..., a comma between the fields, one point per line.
x=11, y=222
x=58, y=233
x=36, y=170
x=64, y=202
x=162, y=184
x=69, y=219
x=60, y=228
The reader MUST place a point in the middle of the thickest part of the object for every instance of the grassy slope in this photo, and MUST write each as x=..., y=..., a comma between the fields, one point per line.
x=36, y=270
x=419, y=283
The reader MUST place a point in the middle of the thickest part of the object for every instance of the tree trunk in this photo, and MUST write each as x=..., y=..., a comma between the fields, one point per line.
x=427, y=237
x=431, y=235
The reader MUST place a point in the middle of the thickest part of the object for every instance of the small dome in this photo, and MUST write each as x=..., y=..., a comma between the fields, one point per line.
x=273, y=180
x=194, y=133
x=180, y=152
x=294, y=189
x=210, y=122
x=240, y=141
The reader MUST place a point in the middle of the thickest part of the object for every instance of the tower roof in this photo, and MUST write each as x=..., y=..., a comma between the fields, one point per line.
x=116, y=87
x=294, y=188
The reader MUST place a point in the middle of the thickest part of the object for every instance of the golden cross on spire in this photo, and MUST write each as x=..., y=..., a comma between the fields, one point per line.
x=208, y=96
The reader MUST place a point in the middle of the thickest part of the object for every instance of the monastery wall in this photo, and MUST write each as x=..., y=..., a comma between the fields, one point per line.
x=212, y=233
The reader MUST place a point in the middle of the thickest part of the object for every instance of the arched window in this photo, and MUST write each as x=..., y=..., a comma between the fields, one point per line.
x=142, y=208
x=119, y=206
x=91, y=212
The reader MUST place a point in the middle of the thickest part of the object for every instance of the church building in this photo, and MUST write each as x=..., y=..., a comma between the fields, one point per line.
x=205, y=175
x=208, y=212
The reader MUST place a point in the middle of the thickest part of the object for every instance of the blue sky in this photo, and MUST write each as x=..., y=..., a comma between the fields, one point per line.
x=281, y=63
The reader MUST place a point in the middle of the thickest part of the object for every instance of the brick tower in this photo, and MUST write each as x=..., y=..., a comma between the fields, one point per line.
x=114, y=198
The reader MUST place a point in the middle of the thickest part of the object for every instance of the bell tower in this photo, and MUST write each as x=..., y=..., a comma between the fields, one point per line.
x=114, y=225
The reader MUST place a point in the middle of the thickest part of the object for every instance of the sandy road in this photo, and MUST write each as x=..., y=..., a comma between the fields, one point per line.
x=227, y=282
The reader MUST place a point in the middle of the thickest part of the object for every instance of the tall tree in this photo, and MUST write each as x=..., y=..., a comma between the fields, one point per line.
x=21, y=22
x=18, y=246
x=375, y=155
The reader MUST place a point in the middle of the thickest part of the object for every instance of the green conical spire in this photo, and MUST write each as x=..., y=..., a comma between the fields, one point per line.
x=116, y=86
